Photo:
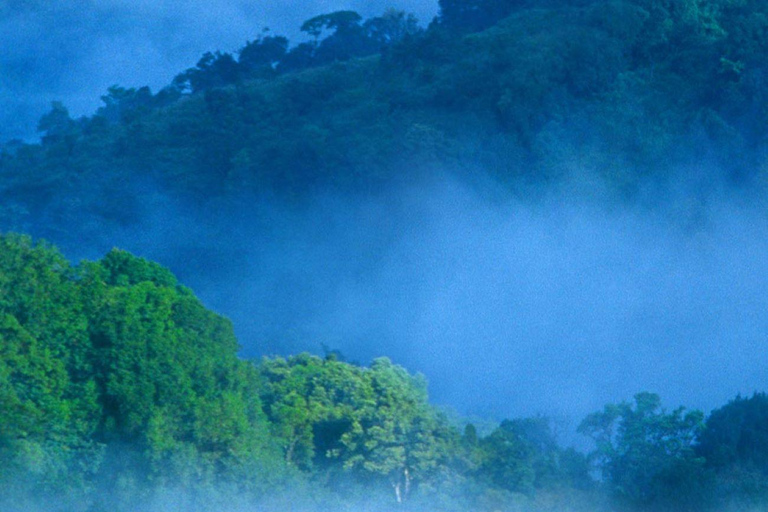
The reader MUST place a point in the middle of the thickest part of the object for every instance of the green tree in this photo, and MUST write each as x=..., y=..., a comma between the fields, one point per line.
x=56, y=124
x=347, y=39
x=391, y=28
x=258, y=59
x=735, y=445
x=475, y=15
x=397, y=437
x=737, y=433
x=212, y=70
x=372, y=423
x=646, y=454
x=115, y=383
x=339, y=21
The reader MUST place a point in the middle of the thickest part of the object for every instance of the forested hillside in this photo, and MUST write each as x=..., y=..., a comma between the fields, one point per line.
x=120, y=391
x=115, y=377
x=633, y=93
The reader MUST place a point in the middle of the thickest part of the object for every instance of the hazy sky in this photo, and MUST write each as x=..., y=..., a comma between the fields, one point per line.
x=73, y=50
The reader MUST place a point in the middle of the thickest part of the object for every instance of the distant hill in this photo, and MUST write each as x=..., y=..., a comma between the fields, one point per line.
x=629, y=92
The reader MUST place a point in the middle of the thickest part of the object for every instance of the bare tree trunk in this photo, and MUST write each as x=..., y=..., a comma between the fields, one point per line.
x=289, y=451
x=397, y=492
x=407, y=478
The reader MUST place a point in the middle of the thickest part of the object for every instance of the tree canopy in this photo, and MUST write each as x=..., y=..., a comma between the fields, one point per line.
x=117, y=384
x=118, y=389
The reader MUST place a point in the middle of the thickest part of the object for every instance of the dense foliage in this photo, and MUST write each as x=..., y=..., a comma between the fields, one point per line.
x=119, y=389
x=117, y=386
x=115, y=377
x=735, y=444
x=626, y=94
x=647, y=455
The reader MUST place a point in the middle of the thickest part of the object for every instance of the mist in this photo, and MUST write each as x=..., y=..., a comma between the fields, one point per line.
x=73, y=51
x=498, y=240
x=514, y=310
x=552, y=304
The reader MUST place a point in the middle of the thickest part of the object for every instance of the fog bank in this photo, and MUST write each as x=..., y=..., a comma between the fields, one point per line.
x=510, y=307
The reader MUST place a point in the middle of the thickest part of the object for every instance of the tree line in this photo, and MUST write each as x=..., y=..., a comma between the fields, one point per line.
x=118, y=389
x=630, y=94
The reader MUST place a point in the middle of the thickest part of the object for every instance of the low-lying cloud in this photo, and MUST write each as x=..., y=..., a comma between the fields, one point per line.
x=511, y=308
